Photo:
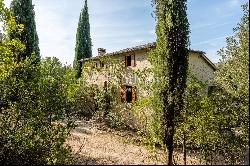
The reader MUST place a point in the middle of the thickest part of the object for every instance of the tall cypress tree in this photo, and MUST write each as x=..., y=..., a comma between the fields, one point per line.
x=24, y=13
x=170, y=65
x=83, y=47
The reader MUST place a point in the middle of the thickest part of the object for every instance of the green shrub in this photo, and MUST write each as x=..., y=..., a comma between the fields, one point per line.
x=82, y=102
x=36, y=101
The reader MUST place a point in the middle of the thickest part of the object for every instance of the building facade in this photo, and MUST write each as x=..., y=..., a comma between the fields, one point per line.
x=137, y=59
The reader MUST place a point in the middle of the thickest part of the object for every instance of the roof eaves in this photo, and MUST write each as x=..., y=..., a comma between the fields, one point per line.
x=146, y=46
x=208, y=61
x=126, y=50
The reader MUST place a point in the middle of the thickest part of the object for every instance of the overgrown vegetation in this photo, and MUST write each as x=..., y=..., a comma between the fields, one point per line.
x=213, y=123
x=32, y=99
x=170, y=65
x=38, y=100
x=109, y=108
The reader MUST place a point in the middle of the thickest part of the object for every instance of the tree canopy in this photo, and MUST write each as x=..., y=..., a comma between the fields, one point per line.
x=83, y=48
x=23, y=11
x=170, y=64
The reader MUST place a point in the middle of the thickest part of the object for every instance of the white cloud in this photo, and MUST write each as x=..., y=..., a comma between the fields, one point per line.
x=137, y=41
x=228, y=8
x=235, y=3
x=210, y=25
x=55, y=35
x=210, y=41
x=213, y=55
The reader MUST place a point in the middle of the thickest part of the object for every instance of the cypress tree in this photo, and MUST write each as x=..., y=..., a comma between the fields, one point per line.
x=170, y=65
x=83, y=47
x=24, y=13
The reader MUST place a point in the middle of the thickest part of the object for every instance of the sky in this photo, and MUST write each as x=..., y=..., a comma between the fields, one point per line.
x=119, y=24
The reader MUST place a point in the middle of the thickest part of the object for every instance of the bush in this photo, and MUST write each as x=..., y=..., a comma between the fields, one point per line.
x=111, y=111
x=82, y=102
x=36, y=99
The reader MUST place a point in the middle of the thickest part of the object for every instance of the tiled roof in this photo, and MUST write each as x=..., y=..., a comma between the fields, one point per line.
x=136, y=48
x=146, y=46
x=126, y=50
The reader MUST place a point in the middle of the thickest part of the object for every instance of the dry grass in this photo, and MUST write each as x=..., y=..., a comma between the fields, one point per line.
x=95, y=146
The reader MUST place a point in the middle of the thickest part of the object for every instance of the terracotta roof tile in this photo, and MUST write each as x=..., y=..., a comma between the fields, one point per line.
x=146, y=46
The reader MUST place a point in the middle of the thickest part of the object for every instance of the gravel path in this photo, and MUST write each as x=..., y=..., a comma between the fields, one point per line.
x=96, y=146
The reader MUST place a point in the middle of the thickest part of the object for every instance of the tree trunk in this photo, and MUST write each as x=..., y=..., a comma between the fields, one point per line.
x=169, y=140
x=170, y=155
x=169, y=133
x=247, y=157
x=184, y=149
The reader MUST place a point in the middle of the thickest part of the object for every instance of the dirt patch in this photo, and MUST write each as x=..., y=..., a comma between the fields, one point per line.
x=95, y=146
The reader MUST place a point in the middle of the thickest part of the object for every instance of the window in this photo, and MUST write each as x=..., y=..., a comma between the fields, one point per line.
x=105, y=85
x=102, y=64
x=128, y=60
x=128, y=94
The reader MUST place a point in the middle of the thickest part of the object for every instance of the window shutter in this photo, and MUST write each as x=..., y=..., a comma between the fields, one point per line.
x=105, y=84
x=134, y=60
x=125, y=61
x=134, y=94
x=123, y=93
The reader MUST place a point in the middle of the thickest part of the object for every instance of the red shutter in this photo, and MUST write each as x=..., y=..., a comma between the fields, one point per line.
x=123, y=93
x=134, y=94
x=105, y=84
x=134, y=60
x=125, y=61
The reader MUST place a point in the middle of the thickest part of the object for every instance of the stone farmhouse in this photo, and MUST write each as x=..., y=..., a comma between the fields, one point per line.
x=136, y=58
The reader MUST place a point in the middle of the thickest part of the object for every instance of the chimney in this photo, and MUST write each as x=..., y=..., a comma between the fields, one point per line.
x=101, y=51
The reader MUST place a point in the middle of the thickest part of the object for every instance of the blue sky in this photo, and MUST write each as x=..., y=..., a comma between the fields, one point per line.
x=118, y=24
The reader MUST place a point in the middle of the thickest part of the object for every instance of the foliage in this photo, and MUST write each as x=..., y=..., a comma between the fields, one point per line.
x=196, y=126
x=233, y=73
x=24, y=14
x=82, y=102
x=170, y=64
x=151, y=121
x=83, y=47
x=33, y=100
x=208, y=127
x=232, y=78
x=28, y=130
x=217, y=124
x=109, y=108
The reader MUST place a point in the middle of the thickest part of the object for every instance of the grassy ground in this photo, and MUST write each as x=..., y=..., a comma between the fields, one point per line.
x=97, y=145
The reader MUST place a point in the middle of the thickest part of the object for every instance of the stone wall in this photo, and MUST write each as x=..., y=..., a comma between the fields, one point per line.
x=198, y=65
